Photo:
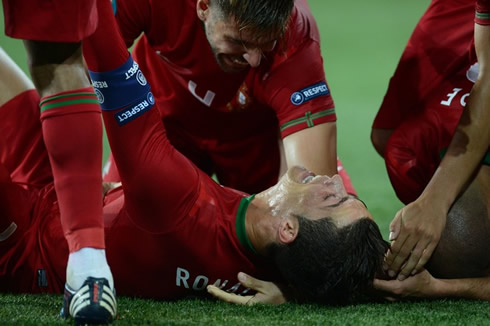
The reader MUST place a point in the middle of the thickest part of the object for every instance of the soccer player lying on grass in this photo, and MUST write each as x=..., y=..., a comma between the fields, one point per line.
x=172, y=231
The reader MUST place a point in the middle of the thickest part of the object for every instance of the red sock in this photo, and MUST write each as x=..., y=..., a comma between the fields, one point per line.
x=72, y=131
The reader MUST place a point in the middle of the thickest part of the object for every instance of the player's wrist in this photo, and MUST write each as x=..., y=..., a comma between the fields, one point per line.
x=451, y=288
x=436, y=201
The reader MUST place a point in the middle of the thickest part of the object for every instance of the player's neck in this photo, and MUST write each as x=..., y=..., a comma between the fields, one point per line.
x=260, y=225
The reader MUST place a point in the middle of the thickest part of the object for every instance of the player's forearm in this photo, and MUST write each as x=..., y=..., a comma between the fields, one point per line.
x=469, y=288
x=314, y=148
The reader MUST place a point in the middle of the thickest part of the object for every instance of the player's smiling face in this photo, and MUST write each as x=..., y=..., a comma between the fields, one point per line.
x=234, y=50
x=300, y=192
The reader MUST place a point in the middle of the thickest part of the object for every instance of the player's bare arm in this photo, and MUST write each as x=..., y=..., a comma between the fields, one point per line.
x=315, y=148
x=424, y=285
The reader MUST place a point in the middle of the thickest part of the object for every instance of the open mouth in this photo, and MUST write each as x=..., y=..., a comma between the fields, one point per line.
x=236, y=61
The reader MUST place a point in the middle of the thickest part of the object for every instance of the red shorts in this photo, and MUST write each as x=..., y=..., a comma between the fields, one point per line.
x=27, y=200
x=438, y=48
x=23, y=153
x=33, y=258
x=50, y=20
x=413, y=151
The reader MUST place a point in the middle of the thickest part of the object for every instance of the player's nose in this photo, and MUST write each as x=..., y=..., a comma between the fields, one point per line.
x=253, y=57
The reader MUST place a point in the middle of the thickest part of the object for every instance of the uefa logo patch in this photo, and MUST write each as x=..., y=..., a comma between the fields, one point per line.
x=309, y=93
x=100, y=96
x=150, y=98
x=141, y=78
x=297, y=98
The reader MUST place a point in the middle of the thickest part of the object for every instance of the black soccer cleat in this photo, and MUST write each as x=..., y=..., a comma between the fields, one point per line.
x=93, y=304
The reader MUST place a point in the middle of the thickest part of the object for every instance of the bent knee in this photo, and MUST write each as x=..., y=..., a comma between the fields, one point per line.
x=13, y=80
x=379, y=139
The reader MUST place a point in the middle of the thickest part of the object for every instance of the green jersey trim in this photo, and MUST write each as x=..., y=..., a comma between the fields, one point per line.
x=240, y=224
x=57, y=97
x=67, y=103
x=482, y=15
x=309, y=119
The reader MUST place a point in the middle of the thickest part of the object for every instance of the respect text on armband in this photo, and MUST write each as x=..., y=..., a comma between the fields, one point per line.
x=132, y=112
x=131, y=71
x=100, y=84
x=309, y=93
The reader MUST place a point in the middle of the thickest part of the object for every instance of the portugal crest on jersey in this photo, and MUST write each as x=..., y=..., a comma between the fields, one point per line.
x=241, y=101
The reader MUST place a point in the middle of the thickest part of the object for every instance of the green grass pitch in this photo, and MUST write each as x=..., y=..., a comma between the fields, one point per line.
x=361, y=43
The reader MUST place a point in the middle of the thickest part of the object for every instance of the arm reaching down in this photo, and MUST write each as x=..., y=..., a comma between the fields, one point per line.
x=424, y=285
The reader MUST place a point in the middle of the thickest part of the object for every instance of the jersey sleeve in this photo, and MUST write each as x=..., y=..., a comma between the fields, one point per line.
x=297, y=90
x=133, y=17
x=482, y=14
x=160, y=185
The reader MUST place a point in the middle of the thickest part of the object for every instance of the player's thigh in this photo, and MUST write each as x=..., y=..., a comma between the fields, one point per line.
x=22, y=148
x=50, y=21
x=13, y=80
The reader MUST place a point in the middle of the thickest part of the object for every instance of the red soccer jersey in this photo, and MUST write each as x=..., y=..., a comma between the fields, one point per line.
x=172, y=232
x=201, y=243
x=175, y=56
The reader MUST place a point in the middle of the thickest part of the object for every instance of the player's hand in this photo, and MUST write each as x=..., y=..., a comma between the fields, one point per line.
x=415, y=232
x=420, y=285
x=267, y=292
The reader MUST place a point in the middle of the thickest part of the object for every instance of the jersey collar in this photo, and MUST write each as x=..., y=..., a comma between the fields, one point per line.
x=240, y=224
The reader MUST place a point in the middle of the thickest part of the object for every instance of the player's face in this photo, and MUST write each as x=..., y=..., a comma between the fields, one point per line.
x=234, y=50
x=301, y=192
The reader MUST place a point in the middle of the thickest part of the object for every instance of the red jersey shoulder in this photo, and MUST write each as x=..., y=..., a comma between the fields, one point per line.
x=294, y=84
x=482, y=15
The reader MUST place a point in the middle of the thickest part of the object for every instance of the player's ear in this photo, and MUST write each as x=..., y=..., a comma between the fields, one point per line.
x=202, y=8
x=288, y=230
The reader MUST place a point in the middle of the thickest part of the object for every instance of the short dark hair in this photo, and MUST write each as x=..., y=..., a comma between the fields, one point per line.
x=267, y=19
x=330, y=265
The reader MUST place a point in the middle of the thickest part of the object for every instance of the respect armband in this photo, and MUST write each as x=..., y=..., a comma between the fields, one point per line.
x=120, y=87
